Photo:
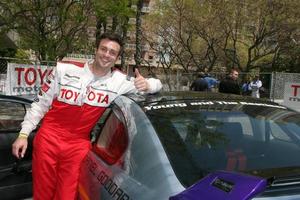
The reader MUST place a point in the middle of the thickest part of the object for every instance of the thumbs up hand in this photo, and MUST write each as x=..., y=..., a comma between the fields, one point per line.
x=140, y=82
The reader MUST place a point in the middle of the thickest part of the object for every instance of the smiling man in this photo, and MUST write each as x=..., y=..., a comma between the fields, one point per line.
x=71, y=101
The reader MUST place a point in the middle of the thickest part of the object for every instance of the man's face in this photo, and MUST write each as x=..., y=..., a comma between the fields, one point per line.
x=234, y=75
x=107, y=54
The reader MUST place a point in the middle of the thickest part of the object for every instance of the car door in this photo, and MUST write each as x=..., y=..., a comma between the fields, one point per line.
x=105, y=160
x=15, y=175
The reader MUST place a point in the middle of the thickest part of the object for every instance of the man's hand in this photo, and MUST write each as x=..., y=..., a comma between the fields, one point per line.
x=140, y=82
x=19, y=147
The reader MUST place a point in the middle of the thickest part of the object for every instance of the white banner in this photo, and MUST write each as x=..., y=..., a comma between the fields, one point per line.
x=24, y=79
x=292, y=95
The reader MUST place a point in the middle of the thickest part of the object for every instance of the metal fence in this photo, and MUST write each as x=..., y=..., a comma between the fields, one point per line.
x=273, y=83
x=5, y=60
x=278, y=82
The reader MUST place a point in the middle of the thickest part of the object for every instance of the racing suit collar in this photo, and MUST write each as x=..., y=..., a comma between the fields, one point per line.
x=90, y=74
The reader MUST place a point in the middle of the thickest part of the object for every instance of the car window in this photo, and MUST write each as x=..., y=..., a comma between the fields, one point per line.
x=11, y=115
x=278, y=133
x=113, y=139
x=99, y=125
x=248, y=138
x=240, y=118
x=285, y=128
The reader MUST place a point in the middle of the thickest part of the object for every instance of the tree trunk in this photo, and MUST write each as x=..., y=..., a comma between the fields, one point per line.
x=138, y=51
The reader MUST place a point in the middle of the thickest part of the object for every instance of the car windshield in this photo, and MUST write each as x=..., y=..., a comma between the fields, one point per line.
x=200, y=137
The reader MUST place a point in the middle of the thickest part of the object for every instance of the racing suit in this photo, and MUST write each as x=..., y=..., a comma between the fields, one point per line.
x=70, y=102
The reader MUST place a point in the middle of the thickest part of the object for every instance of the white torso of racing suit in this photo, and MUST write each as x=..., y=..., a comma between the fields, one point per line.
x=72, y=98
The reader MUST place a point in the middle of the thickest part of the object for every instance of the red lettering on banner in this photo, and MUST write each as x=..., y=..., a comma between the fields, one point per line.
x=19, y=70
x=43, y=74
x=30, y=82
x=295, y=92
x=45, y=87
x=31, y=72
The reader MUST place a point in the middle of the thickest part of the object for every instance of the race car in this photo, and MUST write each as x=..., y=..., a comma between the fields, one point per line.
x=15, y=175
x=193, y=145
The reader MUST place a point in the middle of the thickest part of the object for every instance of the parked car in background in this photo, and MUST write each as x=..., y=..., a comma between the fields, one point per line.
x=15, y=175
x=159, y=146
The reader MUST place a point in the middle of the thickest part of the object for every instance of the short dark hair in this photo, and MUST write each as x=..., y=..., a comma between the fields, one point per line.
x=113, y=37
x=201, y=75
x=234, y=69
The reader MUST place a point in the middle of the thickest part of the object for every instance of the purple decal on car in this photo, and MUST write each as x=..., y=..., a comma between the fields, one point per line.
x=223, y=185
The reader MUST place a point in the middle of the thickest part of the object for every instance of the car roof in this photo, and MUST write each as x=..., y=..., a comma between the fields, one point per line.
x=147, y=99
x=15, y=98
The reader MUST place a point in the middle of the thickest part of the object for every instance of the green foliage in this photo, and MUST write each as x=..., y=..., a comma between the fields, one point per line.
x=120, y=10
x=50, y=28
x=251, y=35
x=22, y=54
x=289, y=60
x=245, y=34
x=7, y=52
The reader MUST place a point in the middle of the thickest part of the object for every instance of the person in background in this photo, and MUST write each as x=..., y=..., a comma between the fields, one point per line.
x=200, y=84
x=211, y=81
x=254, y=87
x=70, y=103
x=245, y=88
x=184, y=84
x=230, y=84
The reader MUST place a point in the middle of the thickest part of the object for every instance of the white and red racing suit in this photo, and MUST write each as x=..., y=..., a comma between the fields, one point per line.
x=70, y=102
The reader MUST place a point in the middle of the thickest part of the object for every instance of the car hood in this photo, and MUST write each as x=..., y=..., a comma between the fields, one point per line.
x=276, y=176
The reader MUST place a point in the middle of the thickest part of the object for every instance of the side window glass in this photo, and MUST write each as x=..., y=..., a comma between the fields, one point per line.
x=99, y=125
x=113, y=139
x=278, y=133
x=11, y=115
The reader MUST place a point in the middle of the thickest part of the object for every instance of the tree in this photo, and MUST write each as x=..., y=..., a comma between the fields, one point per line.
x=250, y=35
x=50, y=28
x=113, y=15
x=166, y=34
x=138, y=33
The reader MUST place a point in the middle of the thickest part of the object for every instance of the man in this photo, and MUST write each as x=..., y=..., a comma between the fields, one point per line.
x=211, y=81
x=70, y=103
x=230, y=83
x=254, y=87
x=200, y=84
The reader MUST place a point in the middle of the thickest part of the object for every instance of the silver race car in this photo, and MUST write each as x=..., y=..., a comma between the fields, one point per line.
x=185, y=145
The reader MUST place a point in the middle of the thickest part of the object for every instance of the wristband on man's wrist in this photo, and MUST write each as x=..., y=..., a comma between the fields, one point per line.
x=22, y=135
